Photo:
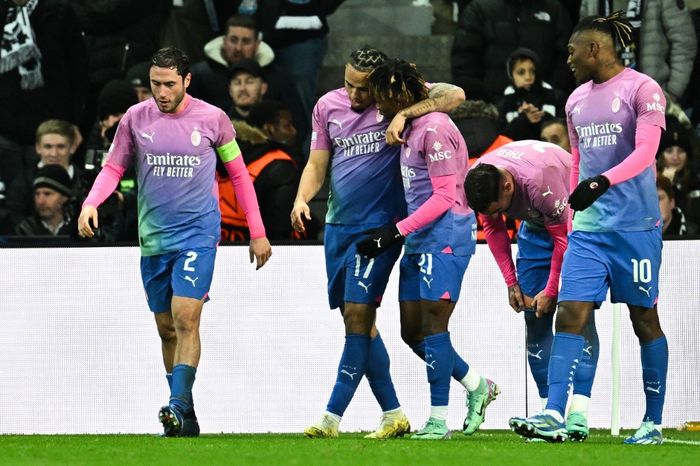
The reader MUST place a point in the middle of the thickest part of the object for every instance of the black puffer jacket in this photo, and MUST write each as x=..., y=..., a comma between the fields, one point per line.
x=490, y=30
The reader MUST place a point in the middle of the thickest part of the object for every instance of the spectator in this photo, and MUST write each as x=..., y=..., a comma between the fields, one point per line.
x=275, y=178
x=675, y=223
x=44, y=69
x=478, y=121
x=555, y=131
x=275, y=120
x=52, y=193
x=675, y=162
x=246, y=88
x=664, y=40
x=528, y=100
x=137, y=76
x=488, y=32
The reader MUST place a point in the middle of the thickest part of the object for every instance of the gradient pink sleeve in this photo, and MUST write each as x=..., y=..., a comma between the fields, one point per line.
x=245, y=195
x=558, y=234
x=575, y=161
x=646, y=143
x=443, y=197
x=105, y=184
x=499, y=243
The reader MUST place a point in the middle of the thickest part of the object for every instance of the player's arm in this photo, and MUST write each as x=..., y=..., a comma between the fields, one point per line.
x=312, y=179
x=497, y=238
x=442, y=97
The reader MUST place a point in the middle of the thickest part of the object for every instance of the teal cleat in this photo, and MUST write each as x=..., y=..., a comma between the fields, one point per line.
x=434, y=429
x=577, y=426
x=647, y=434
x=542, y=426
x=477, y=401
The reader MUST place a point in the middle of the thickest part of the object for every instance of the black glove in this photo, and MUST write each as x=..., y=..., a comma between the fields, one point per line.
x=380, y=240
x=588, y=191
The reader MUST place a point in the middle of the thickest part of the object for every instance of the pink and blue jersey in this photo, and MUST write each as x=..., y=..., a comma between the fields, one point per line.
x=602, y=121
x=540, y=171
x=434, y=147
x=365, y=184
x=175, y=156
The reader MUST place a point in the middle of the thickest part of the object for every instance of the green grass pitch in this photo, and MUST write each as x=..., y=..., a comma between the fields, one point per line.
x=488, y=447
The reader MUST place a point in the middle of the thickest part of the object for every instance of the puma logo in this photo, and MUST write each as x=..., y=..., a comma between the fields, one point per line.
x=425, y=279
x=431, y=364
x=194, y=281
x=588, y=350
x=337, y=122
x=352, y=376
x=656, y=390
x=431, y=130
x=549, y=191
x=365, y=287
x=535, y=355
x=379, y=242
x=148, y=136
x=647, y=291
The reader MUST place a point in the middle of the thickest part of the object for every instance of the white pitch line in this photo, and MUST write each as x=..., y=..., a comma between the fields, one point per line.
x=682, y=442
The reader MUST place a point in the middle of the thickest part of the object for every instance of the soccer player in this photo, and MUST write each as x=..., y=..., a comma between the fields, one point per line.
x=365, y=192
x=615, y=118
x=440, y=238
x=174, y=139
x=529, y=181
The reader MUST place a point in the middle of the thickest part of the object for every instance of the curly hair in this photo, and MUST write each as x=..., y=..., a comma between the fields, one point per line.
x=399, y=81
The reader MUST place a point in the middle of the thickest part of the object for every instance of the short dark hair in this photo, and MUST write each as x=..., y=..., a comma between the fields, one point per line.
x=553, y=121
x=267, y=111
x=482, y=186
x=398, y=80
x=366, y=58
x=241, y=21
x=171, y=57
x=665, y=185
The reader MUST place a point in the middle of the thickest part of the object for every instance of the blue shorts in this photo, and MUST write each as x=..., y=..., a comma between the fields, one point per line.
x=628, y=263
x=431, y=277
x=186, y=273
x=352, y=277
x=534, y=259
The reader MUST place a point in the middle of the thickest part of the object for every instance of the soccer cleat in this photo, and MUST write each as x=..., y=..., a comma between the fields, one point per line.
x=577, y=426
x=543, y=426
x=434, y=429
x=326, y=427
x=171, y=419
x=477, y=401
x=391, y=426
x=190, y=426
x=647, y=434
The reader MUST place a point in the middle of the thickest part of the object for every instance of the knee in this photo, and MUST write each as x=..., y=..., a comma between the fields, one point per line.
x=411, y=335
x=646, y=329
x=357, y=321
x=570, y=321
x=166, y=332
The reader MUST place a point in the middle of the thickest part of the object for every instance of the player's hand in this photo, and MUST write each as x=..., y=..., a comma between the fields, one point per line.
x=300, y=211
x=261, y=250
x=379, y=240
x=588, y=191
x=88, y=216
x=543, y=304
x=393, y=132
x=515, y=298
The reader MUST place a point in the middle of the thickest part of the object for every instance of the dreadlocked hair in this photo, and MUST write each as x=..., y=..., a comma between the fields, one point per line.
x=615, y=25
x=366, y=58
x=399, y=81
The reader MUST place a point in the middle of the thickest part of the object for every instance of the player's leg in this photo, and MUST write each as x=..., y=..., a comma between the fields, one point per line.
x=577, y=419
x=539, y=345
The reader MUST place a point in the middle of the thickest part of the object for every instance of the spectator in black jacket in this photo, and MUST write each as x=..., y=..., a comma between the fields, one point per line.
x=490, y=30
x=672, y=216
x=51, y=195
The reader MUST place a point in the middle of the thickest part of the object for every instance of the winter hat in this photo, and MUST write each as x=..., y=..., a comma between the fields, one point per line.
x=54, y=177
x=519, y=54
x=115, y=98
x=676, y=135
x=138, y=76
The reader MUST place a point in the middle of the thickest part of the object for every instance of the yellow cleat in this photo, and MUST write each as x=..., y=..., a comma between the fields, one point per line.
x=326, y=427
x=392, y=426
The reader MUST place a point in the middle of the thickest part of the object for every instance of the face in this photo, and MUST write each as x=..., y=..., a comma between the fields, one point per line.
x=284, y=131
x=239, y=43
x=48, y=203
x=168, y=88
x=675, y=157
x=357, y=88
x=581, y=60
x=556, y=134
x=505, y=197
x=524, y=73
x=246, y=90
x=142, y=93
x=54, y=148
x=666, y=205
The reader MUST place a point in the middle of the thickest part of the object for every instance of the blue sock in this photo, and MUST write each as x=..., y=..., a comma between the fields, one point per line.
x=565, y=356
x=654, y=368
x=169, y=378
x=379, y=377
x=585, y=373
x=181, y=390
x=353, y=364
x=539, y=347
x=439, y=362
x=460, y=369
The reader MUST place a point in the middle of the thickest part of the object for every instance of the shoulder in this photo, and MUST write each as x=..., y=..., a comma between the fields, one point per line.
x=334, y=98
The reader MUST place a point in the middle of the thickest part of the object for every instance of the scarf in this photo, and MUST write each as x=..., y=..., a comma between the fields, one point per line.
x=18, y=50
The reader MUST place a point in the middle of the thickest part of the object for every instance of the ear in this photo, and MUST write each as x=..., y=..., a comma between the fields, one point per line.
x=187, y=80
x=593, y=49
x=263, y=88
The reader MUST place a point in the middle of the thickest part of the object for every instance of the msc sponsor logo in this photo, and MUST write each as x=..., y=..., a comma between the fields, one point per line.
x=440, y=155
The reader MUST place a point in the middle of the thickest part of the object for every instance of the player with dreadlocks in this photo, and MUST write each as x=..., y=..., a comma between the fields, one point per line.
x=440, y=239
x=365, y=192
x=615, y=119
